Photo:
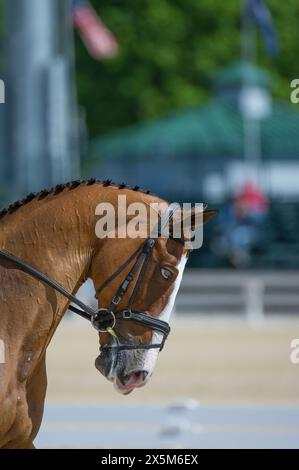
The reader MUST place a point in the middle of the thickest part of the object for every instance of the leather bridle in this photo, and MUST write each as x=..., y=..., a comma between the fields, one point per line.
x=104, y=319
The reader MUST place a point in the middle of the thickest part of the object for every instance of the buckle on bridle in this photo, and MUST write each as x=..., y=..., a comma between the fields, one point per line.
x=99, y=320
x=149, y=245
x=116, y=299
x=127, y=314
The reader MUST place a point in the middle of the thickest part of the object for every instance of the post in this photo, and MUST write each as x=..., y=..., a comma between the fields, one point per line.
x=42, y=119
x=29, y=45
x=254, y=300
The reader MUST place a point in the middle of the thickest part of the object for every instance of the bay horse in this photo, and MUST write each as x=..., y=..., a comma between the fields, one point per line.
x=54, y=232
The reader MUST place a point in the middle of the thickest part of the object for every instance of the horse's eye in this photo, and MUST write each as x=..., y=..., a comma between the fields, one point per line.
x=166, y=273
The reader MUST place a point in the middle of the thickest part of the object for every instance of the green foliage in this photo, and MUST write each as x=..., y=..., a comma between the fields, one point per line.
x=168, y=51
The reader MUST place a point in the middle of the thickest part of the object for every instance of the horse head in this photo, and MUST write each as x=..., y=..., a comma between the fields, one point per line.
x=129, y=350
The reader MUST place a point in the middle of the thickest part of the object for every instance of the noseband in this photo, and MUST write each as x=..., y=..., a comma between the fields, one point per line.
x=104, y=319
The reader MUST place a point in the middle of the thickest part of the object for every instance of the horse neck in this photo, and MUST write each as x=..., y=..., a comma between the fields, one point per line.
x=55, y=235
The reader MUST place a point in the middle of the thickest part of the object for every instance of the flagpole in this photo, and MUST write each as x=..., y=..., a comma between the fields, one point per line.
x=251, y=127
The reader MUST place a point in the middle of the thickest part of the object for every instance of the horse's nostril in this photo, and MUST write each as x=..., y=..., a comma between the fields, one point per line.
x=142, y=374
x=136, y=377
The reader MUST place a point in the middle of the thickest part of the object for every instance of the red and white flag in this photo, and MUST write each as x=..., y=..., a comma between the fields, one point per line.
x=99, y=41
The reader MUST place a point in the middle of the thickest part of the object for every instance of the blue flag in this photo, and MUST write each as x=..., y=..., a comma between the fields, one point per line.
x=262, y=16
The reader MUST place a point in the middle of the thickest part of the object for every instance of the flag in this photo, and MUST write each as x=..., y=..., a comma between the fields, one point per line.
x=262, y=16
x=99, y=41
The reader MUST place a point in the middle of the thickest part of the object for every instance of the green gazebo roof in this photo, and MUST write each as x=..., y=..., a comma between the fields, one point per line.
x=214, y=130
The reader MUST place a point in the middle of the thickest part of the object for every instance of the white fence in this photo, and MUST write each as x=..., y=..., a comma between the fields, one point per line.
x=254, y=294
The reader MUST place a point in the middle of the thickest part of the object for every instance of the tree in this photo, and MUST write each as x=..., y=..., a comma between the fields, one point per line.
x=169, y=51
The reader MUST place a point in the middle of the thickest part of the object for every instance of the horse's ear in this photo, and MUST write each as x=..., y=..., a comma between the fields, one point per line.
x=197, y=214
x=191, y=221
x=207, y=215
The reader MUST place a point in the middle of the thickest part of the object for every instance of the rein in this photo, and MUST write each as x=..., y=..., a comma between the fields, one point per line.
x=104, y=319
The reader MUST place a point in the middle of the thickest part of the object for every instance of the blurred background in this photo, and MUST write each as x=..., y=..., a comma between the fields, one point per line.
x=191, y=100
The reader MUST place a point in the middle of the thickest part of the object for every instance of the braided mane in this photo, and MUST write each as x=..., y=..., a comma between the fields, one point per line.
x=70, y=186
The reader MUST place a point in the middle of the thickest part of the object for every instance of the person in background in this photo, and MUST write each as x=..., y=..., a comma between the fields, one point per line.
x=250, y=203
x=241, y=224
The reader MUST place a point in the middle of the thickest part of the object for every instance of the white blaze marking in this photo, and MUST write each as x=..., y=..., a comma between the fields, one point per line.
x=165, y=314
x=151, y=355
x=2, y=352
